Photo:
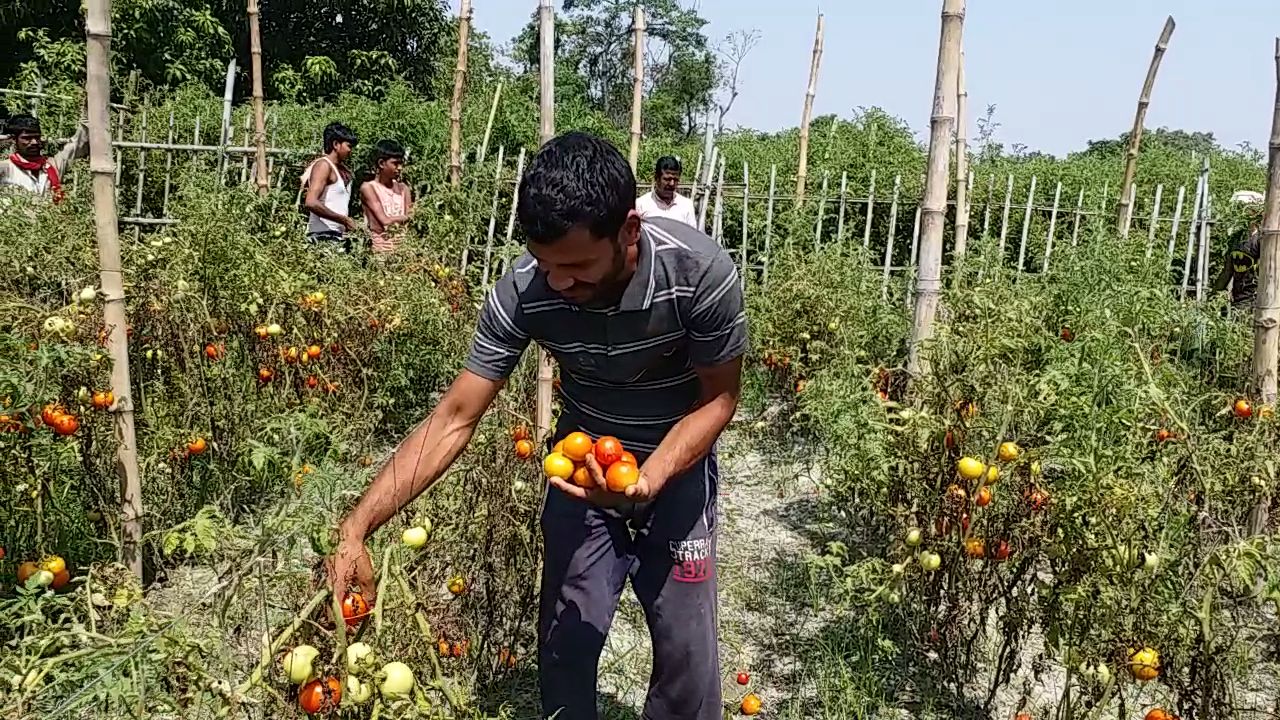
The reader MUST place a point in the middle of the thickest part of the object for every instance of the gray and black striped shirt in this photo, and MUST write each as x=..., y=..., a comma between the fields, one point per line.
x=625, y=370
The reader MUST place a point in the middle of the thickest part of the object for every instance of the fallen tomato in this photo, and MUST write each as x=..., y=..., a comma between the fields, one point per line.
x=354, y=608
x=320, y=696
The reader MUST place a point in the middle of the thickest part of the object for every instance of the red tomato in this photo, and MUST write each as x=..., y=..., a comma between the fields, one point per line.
x=743, y=678
x=608, y=450
x=213, y=352
x=519, y=432
x=1001, y=551
x=354, y=608
x=320, y=696
x=66, y=424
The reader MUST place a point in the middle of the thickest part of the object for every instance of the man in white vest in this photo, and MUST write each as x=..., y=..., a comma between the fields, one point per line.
x=663, y=200
x=28, y=169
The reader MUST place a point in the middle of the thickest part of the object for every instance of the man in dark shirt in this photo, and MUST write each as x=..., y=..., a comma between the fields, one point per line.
x=1241, y=268
x=645, y=319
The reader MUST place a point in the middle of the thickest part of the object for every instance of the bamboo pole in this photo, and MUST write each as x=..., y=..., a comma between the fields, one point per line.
x=1128, y=217
x=962, y=165
x=1196, y=208
x=98, y=85
x=226, y=133
x=637, y=85
x=768, y=219
x=1135, y=135
x=488, y=126
x=710, y=189
x=1026, y=224
x=893, y=228
x=511, y=217
x=746, y=195
x=871, y=200
x=1075, y=223
x=844, y=187
x=1266, y=308
x=1155, y=218
x=455, y=105
x=693, y=188
x=1004, y=216
x=546, y=131
x=261, y=174
x=1053, y=225
x=810, y=90
x=1177, y=220
x=493, y=220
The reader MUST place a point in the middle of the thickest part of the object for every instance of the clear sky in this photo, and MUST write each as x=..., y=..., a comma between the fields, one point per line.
x=1060, y=72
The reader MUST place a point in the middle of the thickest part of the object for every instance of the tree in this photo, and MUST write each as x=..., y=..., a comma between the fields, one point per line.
x=733, y=50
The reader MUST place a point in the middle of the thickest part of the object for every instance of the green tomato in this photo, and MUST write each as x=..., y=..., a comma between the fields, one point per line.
x=414, y=537
x=358, y=691
x=930, y=561
x=397, y=681
x=360, y=659
x=913, y=537
x=1150, y=562
x=298, y=663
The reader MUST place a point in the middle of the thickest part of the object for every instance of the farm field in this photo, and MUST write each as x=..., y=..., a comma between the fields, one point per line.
x=1067, y=514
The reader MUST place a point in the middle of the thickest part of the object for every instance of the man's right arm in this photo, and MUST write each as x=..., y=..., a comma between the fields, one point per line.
x=424, y=455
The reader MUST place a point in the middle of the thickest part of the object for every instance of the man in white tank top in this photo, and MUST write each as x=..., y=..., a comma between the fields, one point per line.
x=328, y=183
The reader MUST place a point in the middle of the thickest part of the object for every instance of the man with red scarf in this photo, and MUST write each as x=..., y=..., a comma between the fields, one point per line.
x=27, y=168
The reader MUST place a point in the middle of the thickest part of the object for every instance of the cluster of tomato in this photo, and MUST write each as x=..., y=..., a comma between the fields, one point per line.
x=50, y=572
x=750, y=704
x=985, y=476
x=59, y=420
x=568, y=461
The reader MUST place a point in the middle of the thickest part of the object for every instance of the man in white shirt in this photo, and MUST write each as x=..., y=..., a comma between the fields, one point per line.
x=663, y=200
x=27, y=168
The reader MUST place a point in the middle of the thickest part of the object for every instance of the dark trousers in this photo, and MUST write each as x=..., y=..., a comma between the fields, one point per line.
x=667, y=549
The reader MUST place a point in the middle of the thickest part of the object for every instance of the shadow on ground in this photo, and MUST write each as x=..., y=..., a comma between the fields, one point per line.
x=515, y=695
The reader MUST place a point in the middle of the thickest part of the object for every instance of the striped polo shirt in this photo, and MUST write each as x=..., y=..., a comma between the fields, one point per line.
x=625, y=370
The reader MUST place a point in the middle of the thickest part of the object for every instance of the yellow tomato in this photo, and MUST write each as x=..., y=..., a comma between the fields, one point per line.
x=970, y=469
x=1009, y=451
x=1144, y=664
x=558, y=466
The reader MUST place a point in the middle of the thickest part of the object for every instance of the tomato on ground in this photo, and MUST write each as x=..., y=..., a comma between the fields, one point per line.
x=354, y=608
x=320, y=696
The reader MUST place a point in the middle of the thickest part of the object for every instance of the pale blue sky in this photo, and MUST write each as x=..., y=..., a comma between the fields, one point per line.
x=1060, y=72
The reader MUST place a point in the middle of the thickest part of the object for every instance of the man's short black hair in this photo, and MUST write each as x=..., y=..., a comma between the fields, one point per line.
x=667, y=163
x=336, y=132
x=576, y=179
x=387, y=150
x=21, y=124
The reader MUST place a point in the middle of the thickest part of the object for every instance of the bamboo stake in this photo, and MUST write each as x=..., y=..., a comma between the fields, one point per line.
x=1026, y=224
x=1266, y=308
x=244, y=161
x=1197, y=210
x=547, y=129
x=1053, y=224
x=822, y=210
x=1004, y=217
x=455, y=105
x=710, y=188
x=810, y=90
x=142, y=165
x=1202, y=253
x=226, y=133
x=98, y=85
x=962, y=165
x=1177, y=220
x=493, y=220
x=1128, y=217
x=871, y=200
x=168, y=171
x=488, y=126
x=1155, y=219
x=844, y=186
x=262, y=175
x=1135, y=135
x=888, y=245
x=717, y=226
x=986, y=213
x=768, y=219
x=693, y=189
x=1075, y=225
x=515, y=195
x=637, y=84
x=746, y=194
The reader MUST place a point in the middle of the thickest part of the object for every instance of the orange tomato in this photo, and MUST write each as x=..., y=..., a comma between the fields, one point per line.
x=559, y=447
x=314, y=351
x=103, y=399
x=66, y=425
x=26, y=570
x=60, y=579
x=577, y=446
x=443, y=647
x=313, y=382
x=519, y=432
x=459, y=649
x=983, y=498
x=1242, y=408
x=1159, y=713
x=261, y=332
x=582, y=477
x=1022, y=716
x=608, y=450
x=265, y=374
x=320, y=696
x=1162, y=435
x=628, y=458
x=975, y=548
x=51, y=413
x=197, y=446
x=751, y=704
x=524, y=449
x=354, y=608
x=621, y=476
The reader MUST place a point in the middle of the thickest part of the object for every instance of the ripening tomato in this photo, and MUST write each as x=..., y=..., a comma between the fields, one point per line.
x=1163, y=435
x=103, y=399
x=558, y=466
x=1159, y=713
x=751, y=704
x=983, y=497
x=582, y=477
x=197, y=446
x=524, y=449
x=608, y=450
x=1242, y=408
x=627, y=457
x=313, y=382
x=443, y=647
x=519, y=432
x=621, y=476
x=50, y=413
x=320, y=696
x=1001, y=551
x=265, y=374
x=743, y=678
x=354, y=608
x=459, y=649
x=314, y=351
x=261, y=332
x=60, y=579
x=1022, y=716
x=577, y=445
x=213, y=352
x=1067, y=335
x=66, y=425
x=1037, y=498
x=289, y=354
x=975, y=548
x=26, y=570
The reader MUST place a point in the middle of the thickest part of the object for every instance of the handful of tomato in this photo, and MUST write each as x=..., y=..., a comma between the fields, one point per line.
x=568, y=461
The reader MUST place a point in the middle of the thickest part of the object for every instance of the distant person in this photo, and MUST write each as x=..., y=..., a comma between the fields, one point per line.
x=28, y=169
x=1241, y=268
x=663, y=200
x=387, y=201
x=328, y=184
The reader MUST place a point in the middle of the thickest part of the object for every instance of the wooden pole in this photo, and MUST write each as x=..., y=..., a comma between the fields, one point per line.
x=98, y=85
x=810, y=90
x=455, y=106
x=1135, y=136
x=934, y=206
x=1266, y=307
x=261, y=176
x=546, y=131
x=637, y=85
x=488, y=126
x=962, y=165
x=871, y=201
x=1026, y=224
